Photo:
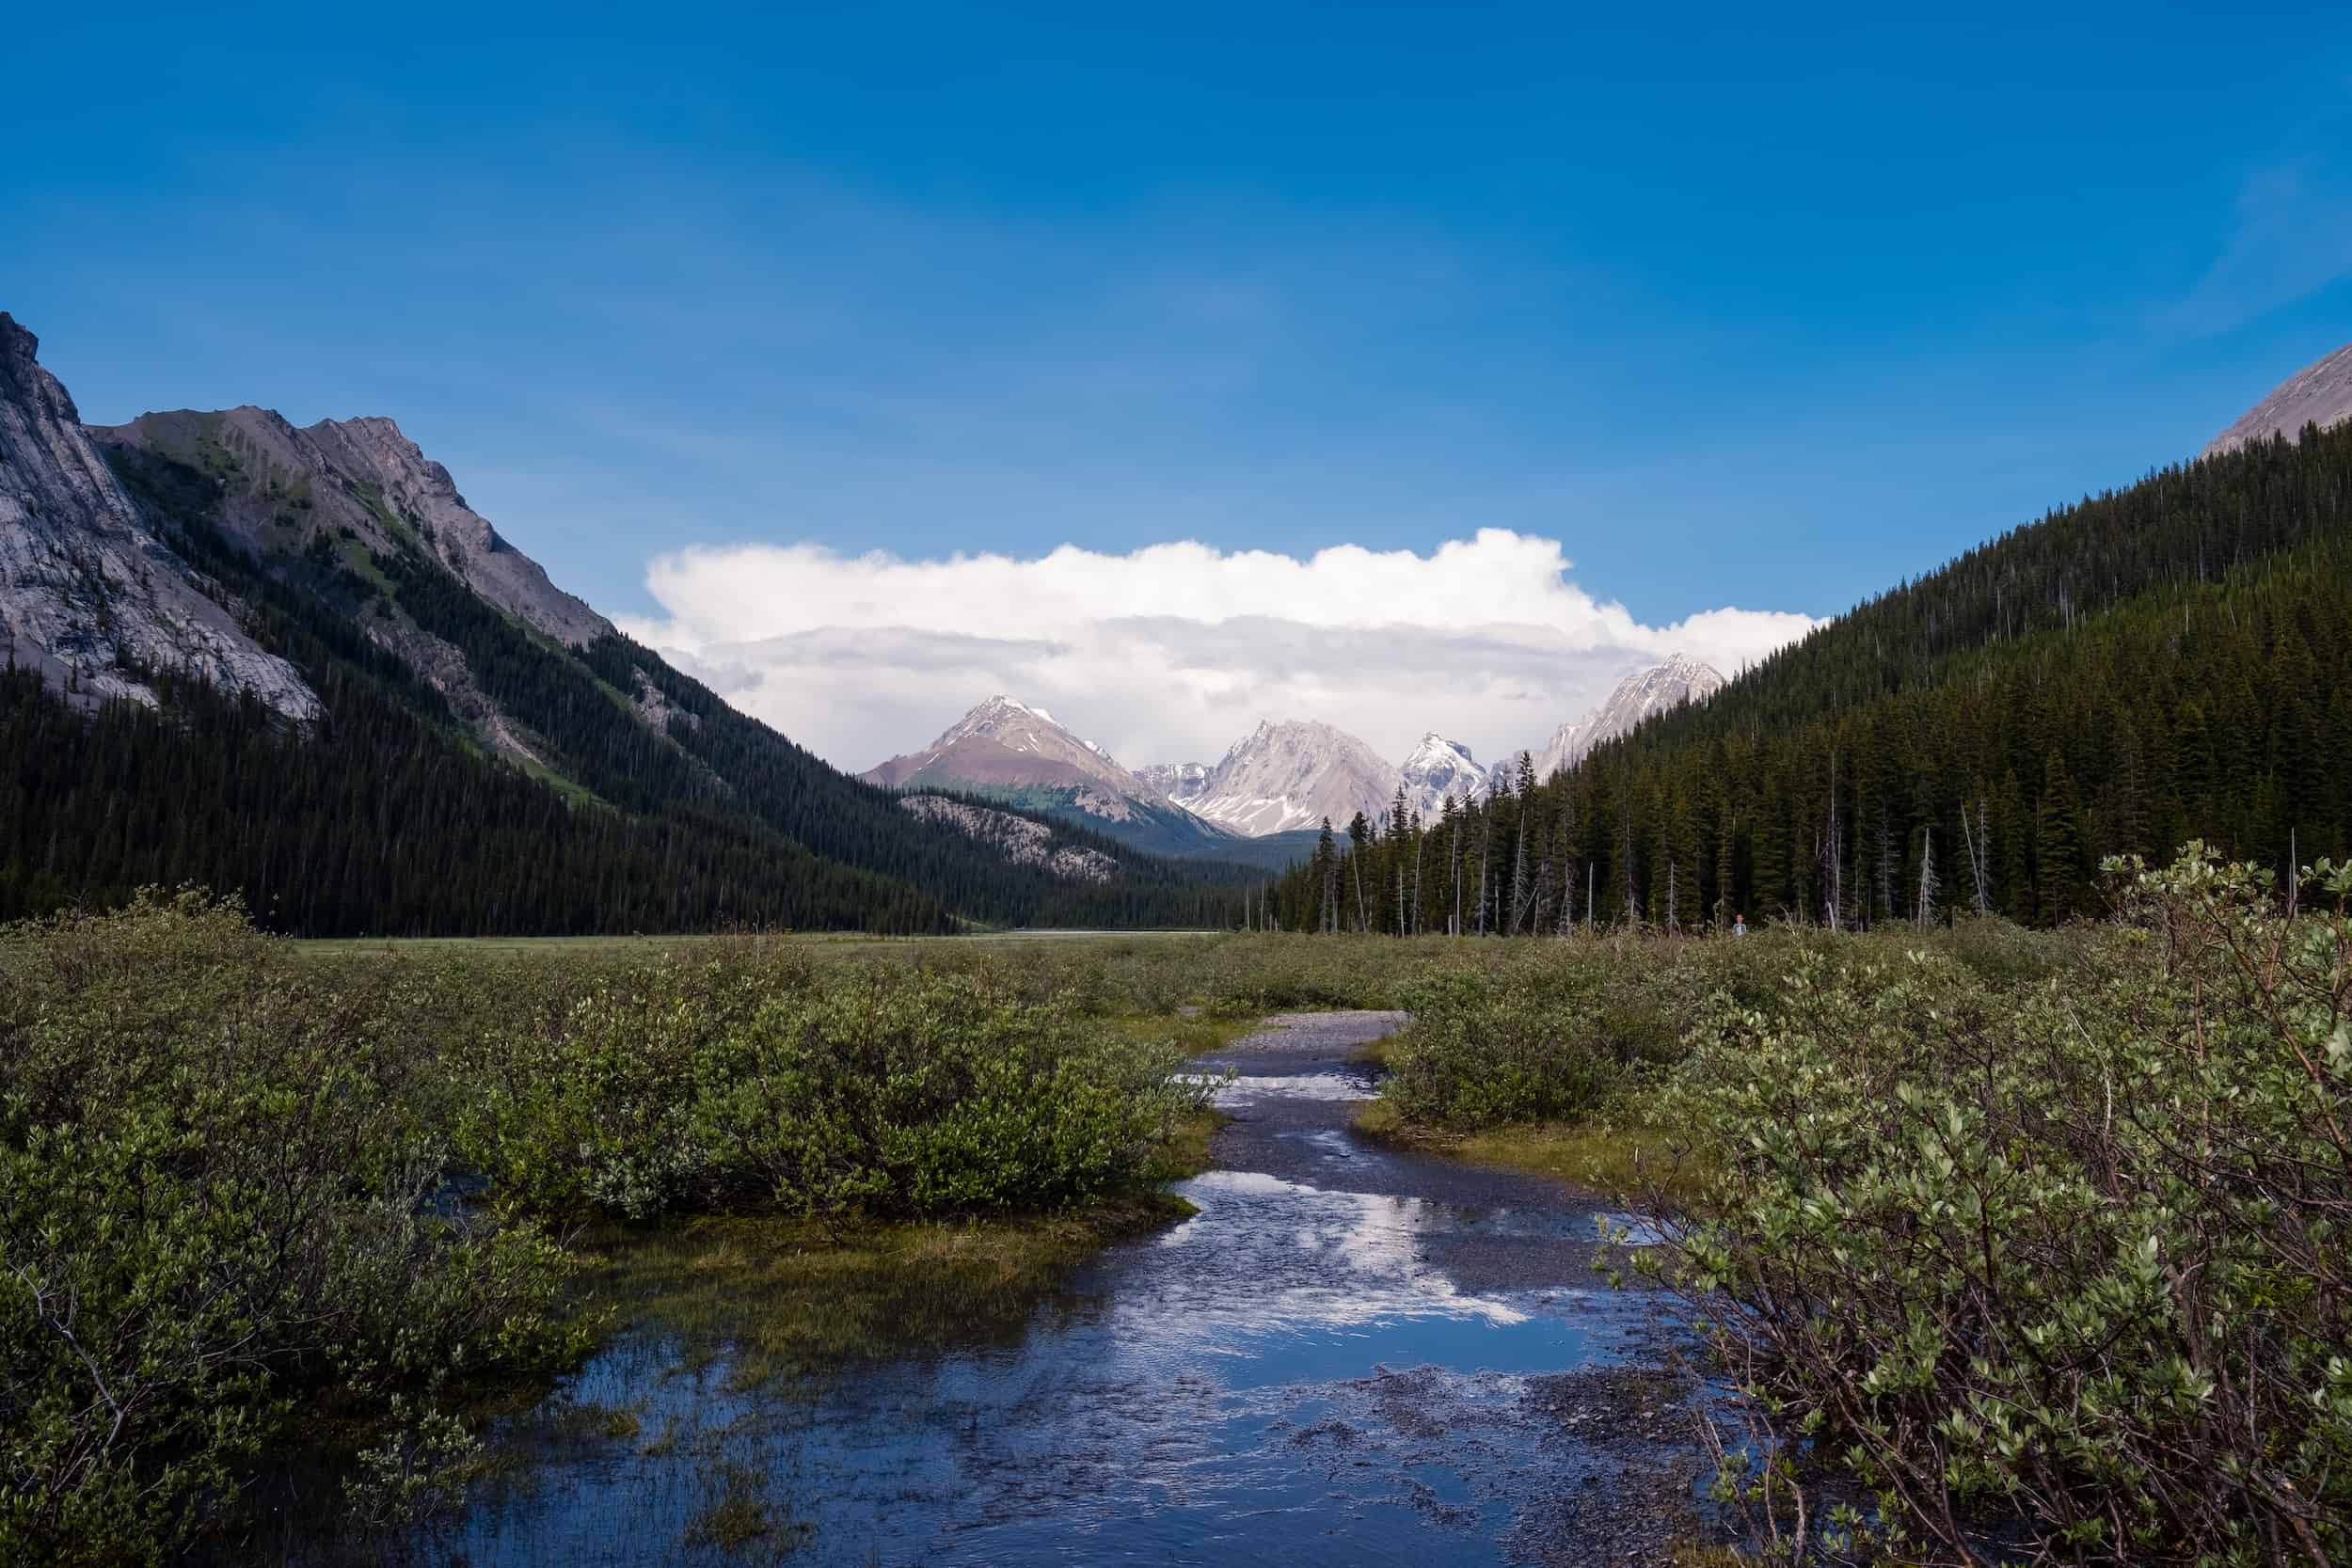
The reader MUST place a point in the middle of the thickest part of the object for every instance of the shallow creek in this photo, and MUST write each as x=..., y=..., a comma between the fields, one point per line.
x=1348, y=1355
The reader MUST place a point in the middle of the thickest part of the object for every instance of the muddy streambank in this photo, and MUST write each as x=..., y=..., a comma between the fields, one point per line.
x=1349, y=1354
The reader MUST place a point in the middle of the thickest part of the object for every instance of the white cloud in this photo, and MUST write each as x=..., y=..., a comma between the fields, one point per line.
x=1170, y=651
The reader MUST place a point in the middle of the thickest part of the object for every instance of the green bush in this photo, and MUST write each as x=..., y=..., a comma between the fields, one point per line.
x=2057, y=1268
x=1481, y=1052
x=1552, y=1031
x=212, y=1203
x=874, y=1089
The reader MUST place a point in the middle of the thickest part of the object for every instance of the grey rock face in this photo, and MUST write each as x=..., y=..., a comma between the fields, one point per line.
x=363, y=474
x=1181, y=782
x=359, y=482
x=1294, y=774
x=1438, y=770
x=1020, y=841
x=88, y=593
x=1680, y=680
x=2319, y=394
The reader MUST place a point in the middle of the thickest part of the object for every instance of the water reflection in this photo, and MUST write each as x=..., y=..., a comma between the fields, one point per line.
x=1294, y=1374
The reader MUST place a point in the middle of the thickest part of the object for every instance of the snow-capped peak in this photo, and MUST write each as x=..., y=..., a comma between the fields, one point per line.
x=1286, y=774
x=1642, y=694
x=1440, y=770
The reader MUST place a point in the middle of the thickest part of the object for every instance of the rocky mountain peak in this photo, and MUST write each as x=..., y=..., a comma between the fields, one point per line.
x=1018, y=751
x=1001, y=714
x=1678, y=680
x=1441, y=769
x=372, y=447
x=19, y=350
x=1291, y=773
x=2319, y=393
x=1181, y=782
x=91, y=594
x=1004, y=743
x=364, y=475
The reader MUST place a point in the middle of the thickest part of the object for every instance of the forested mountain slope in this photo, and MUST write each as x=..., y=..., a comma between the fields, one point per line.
x=2153, y=664
x=475, y=751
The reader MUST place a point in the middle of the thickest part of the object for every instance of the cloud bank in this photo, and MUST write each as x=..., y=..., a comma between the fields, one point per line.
x=1170, y=651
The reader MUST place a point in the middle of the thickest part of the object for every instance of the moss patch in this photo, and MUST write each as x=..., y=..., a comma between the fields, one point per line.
x=1620, y=1163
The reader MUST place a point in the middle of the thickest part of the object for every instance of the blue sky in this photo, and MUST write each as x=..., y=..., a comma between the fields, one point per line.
x=1741, y=309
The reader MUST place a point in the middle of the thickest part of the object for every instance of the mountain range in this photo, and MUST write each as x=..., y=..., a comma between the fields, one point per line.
x=1007, y=750
x=1273, y=789
x=292, y=662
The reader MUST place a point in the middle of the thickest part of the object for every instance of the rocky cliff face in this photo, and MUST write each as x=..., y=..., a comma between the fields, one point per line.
x=1680, y=680
x=90, y=594
x=1018, y=840
x=1294, y=774
x=345, y=491
x=2319, y=394
x=1181, y=782
x=362, y=475
x=1438, y=770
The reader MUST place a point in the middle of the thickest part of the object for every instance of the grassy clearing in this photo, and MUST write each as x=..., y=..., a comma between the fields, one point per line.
x=1193, y=1035
x=832, y=943
x=1623, y=1163
x=576, y=947
x=786, y=1298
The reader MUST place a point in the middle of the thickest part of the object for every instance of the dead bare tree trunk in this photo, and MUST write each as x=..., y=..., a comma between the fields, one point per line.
x=1833, y=856
x=1979, y=845
x=1454, y=929
x=1485, y=854
x=1518, y=869
x=1927, y=876
x=1625, y=844
x=1419, y=839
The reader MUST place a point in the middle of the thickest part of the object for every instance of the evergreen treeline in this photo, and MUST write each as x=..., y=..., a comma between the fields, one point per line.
x=2153, y=665
x=386, y=817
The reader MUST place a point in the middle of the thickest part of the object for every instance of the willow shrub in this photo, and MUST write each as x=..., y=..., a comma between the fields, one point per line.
x=1555, y=1030
x=2058, y=1267
x=214, y=1201
x=874, y=1089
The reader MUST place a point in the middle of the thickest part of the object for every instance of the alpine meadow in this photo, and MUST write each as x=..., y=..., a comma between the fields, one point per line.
x=1316, y=789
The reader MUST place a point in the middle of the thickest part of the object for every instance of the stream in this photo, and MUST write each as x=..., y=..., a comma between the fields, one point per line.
x=1350, y=1355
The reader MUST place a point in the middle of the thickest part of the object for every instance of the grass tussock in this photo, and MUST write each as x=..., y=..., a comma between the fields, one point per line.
x=787, y=1297
x=1626, y=1164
